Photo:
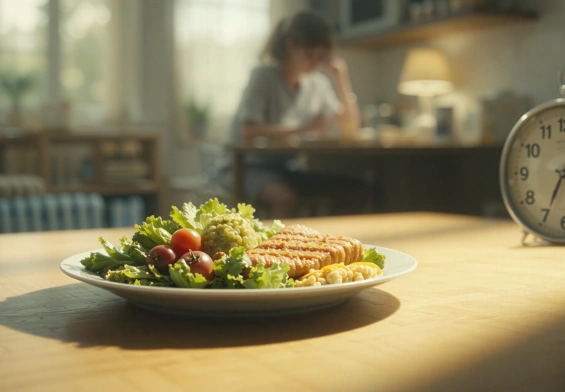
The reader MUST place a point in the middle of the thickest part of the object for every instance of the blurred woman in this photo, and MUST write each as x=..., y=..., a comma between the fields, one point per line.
x=286, y=96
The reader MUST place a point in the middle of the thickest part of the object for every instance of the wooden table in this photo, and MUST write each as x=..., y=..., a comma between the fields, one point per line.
x=480, y=313
x=448, y=178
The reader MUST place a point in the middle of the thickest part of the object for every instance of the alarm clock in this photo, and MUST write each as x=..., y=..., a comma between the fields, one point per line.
x=532, y=170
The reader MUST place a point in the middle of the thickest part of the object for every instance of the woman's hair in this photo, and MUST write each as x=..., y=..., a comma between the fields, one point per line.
x=305, y=29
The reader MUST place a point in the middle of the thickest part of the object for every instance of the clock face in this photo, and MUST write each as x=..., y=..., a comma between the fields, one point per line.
x=533, y=171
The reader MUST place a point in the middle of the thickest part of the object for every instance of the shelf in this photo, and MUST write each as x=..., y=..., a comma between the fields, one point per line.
x=84, y=138
x=105, y=190
x=123, y=164
x=409, y=33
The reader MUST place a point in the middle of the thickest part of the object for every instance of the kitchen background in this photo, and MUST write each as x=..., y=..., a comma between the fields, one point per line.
x=80, y=77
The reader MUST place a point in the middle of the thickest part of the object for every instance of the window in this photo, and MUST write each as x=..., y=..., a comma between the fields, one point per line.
x=60, y=51
x=23, y=49
x=217, y=44
x=86, y=58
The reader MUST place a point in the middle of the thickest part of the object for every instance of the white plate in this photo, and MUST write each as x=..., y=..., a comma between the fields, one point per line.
x=244, y=303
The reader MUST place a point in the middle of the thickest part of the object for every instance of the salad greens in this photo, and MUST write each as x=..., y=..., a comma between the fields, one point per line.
x=155, y=231
x=197, y=218
x=371, y=255
x=127, y=263
x=182, y=277
x=230, y=272
x=139, y=276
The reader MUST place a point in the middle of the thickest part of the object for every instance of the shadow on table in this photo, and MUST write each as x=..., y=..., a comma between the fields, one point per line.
x=90, y=316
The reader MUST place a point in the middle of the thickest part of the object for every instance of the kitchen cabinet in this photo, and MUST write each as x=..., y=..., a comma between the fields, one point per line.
x=427, y=29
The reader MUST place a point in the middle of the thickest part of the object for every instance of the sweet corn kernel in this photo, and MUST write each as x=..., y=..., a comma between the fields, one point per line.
x=339, y=273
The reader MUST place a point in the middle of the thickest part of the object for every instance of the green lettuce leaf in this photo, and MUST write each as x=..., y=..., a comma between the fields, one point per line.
x=229, y=270
x=211, y=209
x=213, y=206
x=267, y=232
x=187, y=217
x=100, y=263
x=115, y=257
x=144, y=241
x=274, y=277
x=155, y=231
x=230, y=273
x=182, y=277
x=247, y=211
x=113, y=252
x=197, y=218
x=140, y=276
x=134, y=250
x=371, y=255
x=277, y=226
x=218, y=284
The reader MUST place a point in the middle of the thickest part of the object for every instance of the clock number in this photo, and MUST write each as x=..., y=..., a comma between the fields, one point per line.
x=545, y=128
x=533, y=150
x=530, y=197
x=546, y=211
x=524, y=173
x=563, y=222
x=561, y=124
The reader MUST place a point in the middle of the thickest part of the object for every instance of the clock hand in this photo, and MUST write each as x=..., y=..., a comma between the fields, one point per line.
x=561, y=175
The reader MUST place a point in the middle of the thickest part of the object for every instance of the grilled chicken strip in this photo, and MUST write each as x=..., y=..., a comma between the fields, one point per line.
x=303, y=249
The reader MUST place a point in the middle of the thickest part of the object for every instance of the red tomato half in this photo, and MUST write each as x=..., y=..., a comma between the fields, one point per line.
x=184, y=240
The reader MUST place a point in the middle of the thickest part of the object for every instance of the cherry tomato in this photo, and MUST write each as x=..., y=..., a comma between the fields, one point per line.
x=200, y=263
x=184, y=240
x=161, y=257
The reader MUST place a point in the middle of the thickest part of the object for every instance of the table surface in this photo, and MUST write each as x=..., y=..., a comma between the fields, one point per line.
x=481, y=312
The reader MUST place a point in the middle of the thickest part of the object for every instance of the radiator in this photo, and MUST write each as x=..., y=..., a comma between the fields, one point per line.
x=52, y=212
x=126, y=211
x=68, y=212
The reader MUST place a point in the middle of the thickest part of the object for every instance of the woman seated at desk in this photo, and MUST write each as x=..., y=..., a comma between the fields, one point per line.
x=289, y=96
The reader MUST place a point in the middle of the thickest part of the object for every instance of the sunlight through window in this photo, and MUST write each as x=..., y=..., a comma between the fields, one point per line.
x=218, y=42
x=86, y=58
x=23, y=47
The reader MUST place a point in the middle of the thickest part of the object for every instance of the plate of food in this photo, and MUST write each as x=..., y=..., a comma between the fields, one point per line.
x=215, y=261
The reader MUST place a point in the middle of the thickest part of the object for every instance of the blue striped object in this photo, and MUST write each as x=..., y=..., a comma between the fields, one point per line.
x=96, y=209
x=126, y=211
x=52, y=212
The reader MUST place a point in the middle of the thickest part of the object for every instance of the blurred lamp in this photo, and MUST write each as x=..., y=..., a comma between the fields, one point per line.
x=425, y=74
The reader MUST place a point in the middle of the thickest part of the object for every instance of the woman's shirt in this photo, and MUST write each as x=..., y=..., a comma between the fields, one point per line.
x=269, y=99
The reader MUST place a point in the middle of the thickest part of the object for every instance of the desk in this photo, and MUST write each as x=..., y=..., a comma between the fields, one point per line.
x=441, y=178
x=480, y=313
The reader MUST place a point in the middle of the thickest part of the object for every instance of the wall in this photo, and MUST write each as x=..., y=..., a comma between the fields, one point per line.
x=154, y=107
x=363, y=72
x=523, y=58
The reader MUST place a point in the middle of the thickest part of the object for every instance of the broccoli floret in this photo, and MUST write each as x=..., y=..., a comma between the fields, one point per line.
x=225, y=232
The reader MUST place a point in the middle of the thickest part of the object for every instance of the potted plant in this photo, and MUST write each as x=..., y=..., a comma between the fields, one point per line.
x=15, y=87
x=198, y=117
